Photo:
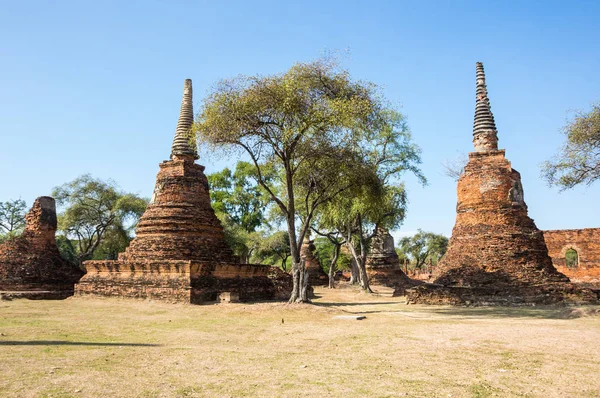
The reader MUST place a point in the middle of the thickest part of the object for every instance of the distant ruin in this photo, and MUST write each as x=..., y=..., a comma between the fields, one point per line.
x=383, y=265
x=496, y=254
x=582, y=246
x=316, y=275
x=30, y=264
x=179, y=253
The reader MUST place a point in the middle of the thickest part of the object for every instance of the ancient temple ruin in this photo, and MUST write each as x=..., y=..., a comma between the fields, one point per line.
x=496, y=254
x=179, y=252
x=316, y=275
x=30, y=264
x=383, y=265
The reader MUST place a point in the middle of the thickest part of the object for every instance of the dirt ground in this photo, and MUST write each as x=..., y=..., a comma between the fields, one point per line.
x=83, y=347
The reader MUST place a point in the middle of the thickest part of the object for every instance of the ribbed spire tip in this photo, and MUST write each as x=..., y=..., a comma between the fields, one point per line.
x=183, y=143
x=485, y=135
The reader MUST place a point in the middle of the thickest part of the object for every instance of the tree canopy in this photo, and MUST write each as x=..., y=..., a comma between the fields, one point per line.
x=306, y=128
x=12, y=216
x=96, y=215
x=423, y=247
x=578, y=161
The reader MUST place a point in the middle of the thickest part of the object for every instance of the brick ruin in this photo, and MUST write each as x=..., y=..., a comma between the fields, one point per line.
x=179, y=253
x=496, y=254
x=586, y=243
x=316, y=275
x=30, y=264
x=383, y=265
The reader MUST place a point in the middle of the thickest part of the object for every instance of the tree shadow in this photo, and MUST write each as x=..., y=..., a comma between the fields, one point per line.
x=540, y=312
x=334, y=304
x=74, y=343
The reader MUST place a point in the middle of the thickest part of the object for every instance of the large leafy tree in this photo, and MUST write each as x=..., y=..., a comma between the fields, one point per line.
x=12, y=217
x=302, y=125
x=96, y=214
x=578, y=161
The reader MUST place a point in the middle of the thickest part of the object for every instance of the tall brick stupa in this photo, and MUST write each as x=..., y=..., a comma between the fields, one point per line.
x=179, y=252
x=496, y=254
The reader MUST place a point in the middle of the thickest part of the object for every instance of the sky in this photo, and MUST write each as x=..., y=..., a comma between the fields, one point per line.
x=95, y=87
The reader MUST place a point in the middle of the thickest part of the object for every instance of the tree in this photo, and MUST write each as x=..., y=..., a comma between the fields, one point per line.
x=455, y=168
x=378, y=199
x=12, y=216
x=96, y=213
x=578, y=161
x=274, y=248
x=301, y=125
x=424, y=247
x=240, y=204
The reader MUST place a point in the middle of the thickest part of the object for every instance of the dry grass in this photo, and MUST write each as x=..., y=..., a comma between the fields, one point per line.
x=122, y=348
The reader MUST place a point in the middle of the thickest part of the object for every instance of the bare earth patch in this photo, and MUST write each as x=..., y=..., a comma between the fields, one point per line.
x=84, y=347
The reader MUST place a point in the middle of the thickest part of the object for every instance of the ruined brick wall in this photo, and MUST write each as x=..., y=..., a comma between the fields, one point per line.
x=32, y=262
x=586, y=242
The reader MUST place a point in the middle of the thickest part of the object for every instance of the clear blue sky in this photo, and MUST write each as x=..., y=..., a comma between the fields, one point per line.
x=95, y=87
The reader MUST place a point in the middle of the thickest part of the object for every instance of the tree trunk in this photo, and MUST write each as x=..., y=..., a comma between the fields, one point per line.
x=336, y=255
x=361, y=261
x=354, y=272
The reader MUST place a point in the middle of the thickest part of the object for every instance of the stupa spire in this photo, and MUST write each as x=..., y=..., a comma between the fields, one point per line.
x=183, y=144
x=485, y=135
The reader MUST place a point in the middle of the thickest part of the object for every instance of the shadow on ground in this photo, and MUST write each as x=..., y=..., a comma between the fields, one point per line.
x=75, y=343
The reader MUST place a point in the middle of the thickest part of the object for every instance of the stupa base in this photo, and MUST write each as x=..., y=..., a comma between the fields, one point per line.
x=545, y=294
x=181, y=281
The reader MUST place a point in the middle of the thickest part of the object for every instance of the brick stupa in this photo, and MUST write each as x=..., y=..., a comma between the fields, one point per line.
x=383, y=265
x=496, y=254
x=179, y=252
x=30, y=264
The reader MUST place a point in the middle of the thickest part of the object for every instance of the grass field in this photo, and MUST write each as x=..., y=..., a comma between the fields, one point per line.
x=83, y=347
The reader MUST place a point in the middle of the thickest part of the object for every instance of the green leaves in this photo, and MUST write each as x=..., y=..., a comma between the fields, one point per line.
x=578, y=161
x=96, y=216
x=12, y=216
x=423, y=247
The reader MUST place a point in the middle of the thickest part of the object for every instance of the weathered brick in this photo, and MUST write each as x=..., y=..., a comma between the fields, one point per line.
x=30, y=264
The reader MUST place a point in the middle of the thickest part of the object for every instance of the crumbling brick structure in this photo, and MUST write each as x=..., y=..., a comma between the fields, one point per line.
x=316, y=275
x=586, y=244
x=496, y=254
x=30, y=264
x=383, y=264
x=179, y=253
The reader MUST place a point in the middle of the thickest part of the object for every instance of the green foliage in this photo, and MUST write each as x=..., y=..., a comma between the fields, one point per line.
x=12, y=217
x=423, y=248
x=274, y=249
x=67, y=249
x=97, y=216
x=311, y=131
x=325, y=252
x=239, y=195
x=578, y=161
x=572, y=258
